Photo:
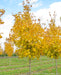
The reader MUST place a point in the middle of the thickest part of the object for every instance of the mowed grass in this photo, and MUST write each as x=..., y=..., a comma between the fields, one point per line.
x=16, y=66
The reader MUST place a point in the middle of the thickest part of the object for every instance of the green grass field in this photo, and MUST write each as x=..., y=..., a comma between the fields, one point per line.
x=16, y=66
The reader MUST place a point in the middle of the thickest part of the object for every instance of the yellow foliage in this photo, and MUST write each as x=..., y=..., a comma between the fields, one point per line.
x=8, y=49
x=1, y=51
x=26, y=35
x=32, y=40
x=0, y=36
x=52, y=44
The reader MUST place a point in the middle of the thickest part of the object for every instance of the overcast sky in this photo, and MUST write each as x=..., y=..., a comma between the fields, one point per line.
x=41, y=9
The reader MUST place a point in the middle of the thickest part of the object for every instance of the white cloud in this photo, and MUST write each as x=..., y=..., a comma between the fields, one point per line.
x=37, y=5
x=33, y=1
x=44, y=13
x=5, y=28
x=55, y=5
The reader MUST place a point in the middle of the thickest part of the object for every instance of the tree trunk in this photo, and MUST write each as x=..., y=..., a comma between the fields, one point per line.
x=56, y=66
x=29, y=66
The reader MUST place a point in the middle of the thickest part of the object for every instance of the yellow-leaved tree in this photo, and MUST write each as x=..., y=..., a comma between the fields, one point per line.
x=52, y=41
x=8, y=48
x=27, y=35
x=1, y=50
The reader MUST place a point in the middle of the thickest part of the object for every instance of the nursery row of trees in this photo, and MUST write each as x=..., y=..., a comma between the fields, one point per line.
x=31, y=38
